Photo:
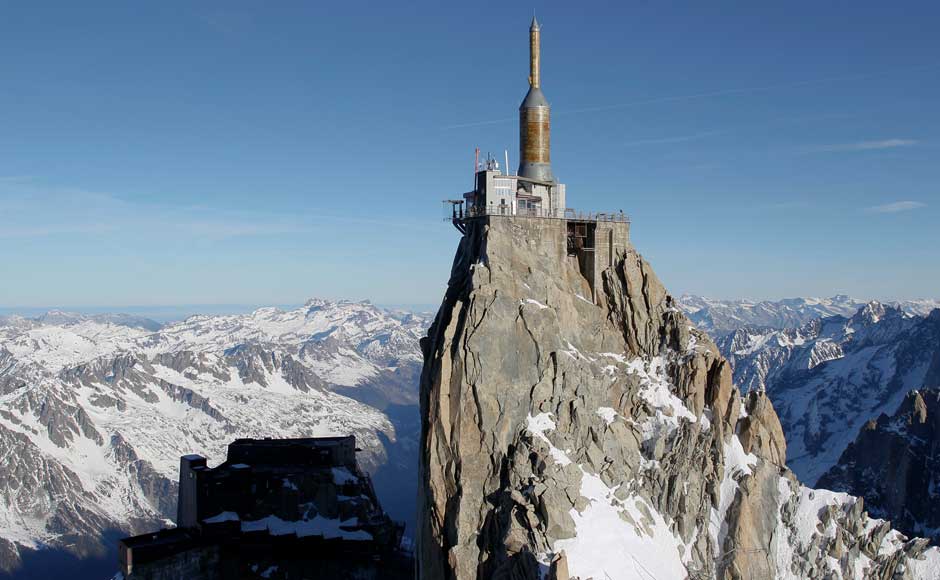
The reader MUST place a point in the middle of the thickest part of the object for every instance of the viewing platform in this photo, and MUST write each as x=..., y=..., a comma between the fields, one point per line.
x=590, y=242
x=458, y=214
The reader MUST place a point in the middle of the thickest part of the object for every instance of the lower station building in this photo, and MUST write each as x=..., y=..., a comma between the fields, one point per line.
x=276, y=509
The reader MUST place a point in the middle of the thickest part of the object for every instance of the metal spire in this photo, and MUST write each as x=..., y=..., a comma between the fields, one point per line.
x=535, y=54
x=534, y=117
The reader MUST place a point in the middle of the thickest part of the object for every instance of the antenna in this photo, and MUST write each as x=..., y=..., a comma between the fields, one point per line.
x=476, y=165
x=507, y=161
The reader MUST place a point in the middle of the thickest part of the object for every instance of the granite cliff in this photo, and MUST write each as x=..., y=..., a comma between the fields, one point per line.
x=579, y=426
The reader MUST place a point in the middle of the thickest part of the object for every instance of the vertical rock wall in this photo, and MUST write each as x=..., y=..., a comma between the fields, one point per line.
x=569, y=437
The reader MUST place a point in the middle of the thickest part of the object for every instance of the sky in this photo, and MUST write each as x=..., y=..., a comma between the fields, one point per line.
x=161, y=153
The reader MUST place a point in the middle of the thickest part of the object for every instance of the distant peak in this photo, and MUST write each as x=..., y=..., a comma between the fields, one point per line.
x=315, y=302
x=870, y=313
x=60, y=317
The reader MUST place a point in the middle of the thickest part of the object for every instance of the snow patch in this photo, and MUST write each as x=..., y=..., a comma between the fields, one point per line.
x=737, y=464
x=656, y=390
x=342, y=476
x=222, y=517
x=620, y=540
x=318, y=526
x=608, y=414
x=537, y=426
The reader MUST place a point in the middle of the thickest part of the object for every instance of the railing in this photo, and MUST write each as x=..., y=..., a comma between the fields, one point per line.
x=566, y=214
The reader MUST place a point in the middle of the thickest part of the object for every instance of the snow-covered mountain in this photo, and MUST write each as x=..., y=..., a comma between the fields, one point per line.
x=96, y=411
x=831, y=375
x=719, y=317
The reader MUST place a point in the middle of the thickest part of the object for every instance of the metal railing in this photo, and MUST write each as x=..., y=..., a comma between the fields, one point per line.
x=566, y=214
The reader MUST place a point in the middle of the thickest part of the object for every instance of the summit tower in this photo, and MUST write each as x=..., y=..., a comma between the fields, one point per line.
x=589, y=240
x=535, y=117
x=533, y=191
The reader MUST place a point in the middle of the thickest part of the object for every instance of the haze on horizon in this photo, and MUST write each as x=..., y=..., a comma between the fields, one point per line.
x=237, y=153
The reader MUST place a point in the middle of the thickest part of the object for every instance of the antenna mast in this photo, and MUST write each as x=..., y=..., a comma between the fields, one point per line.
x=476, y=165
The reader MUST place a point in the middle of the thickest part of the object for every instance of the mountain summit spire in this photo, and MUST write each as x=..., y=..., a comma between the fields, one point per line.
x=535, y=50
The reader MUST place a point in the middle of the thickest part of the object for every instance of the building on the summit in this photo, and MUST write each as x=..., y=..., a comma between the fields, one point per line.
x=588, y=238
x=276, y=508
x=533, y=191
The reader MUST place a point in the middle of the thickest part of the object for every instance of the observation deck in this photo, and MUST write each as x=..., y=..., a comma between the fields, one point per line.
x=458, y=214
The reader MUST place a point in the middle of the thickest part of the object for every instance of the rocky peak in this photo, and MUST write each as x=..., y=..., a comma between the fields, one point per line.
x=761, y=431
x=315, y=304
x=891, y=464
x=869, y=314
x=60, y=317
x=580, y=434
x=874, y=312
x=919, y=409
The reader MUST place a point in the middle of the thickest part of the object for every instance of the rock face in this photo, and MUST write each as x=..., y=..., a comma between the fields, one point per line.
x=893, y=465
x=576, y=438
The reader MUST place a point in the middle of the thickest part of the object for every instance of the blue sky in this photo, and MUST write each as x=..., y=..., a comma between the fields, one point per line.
x=262, y=153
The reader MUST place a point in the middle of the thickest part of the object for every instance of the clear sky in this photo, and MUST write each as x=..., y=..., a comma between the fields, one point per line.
x=265, y=152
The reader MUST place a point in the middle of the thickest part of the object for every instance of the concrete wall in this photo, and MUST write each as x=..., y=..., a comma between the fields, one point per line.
x=187, y=510
x=201, y=563
x=234, y=562
x=610, y=238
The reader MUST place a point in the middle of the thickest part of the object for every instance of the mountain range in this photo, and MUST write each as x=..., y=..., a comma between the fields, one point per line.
x=857, y=398
x=719, y=317
x=830, y=376
x=95, y=411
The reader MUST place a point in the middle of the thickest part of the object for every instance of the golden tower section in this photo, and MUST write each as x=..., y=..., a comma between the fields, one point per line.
x=534, y=134
x=535, y=117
